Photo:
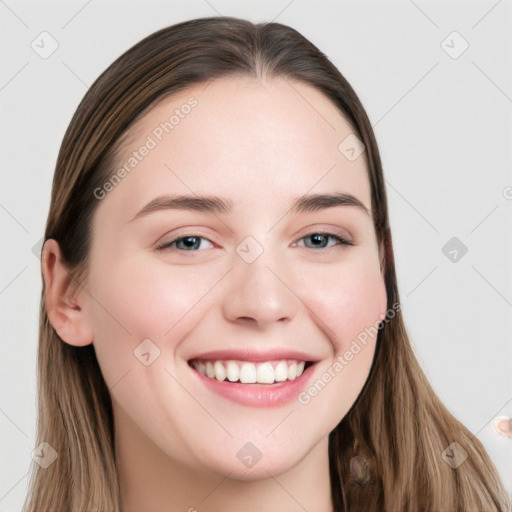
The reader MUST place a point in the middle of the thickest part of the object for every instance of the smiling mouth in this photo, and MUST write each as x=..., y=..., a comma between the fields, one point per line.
x=246, y=372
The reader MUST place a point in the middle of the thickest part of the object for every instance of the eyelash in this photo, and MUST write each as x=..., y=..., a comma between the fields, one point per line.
x=340, y=241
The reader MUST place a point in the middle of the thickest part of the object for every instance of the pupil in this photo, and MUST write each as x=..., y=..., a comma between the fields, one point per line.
x=318, y=239
x=190, y=241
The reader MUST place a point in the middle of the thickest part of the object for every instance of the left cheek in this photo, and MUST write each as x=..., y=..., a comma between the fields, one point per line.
x=346, y=302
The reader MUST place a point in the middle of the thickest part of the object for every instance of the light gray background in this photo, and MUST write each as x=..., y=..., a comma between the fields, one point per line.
x=444, y=129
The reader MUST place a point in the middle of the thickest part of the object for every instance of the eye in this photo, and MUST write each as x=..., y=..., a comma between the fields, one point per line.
x=193, y=243
x=186, y=243
x=321, y=240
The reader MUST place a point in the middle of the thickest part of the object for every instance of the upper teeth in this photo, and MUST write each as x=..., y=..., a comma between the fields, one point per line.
x=250, y=373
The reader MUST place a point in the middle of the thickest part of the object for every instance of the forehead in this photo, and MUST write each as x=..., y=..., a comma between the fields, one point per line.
x=242, y=138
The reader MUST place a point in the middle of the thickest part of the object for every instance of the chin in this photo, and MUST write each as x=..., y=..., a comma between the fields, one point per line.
x=250, y=463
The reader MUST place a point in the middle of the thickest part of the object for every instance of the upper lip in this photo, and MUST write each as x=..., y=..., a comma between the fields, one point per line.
x=255, y=355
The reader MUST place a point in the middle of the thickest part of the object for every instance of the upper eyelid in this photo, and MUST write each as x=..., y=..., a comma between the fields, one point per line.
x=308, y=230
x=339, y=232
x=344, y=240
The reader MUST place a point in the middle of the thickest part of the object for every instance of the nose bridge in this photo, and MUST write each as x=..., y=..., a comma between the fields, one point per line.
x=258, y=288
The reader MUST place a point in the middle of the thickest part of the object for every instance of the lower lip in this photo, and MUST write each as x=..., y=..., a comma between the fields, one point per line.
x=258, y=395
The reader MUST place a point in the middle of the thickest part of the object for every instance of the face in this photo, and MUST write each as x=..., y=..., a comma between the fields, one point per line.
x=249, y=286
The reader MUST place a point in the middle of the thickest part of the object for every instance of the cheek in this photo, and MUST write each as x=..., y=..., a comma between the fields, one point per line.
x=136, y=301
x=348, y=300
x=349, y=304
x=150, y=298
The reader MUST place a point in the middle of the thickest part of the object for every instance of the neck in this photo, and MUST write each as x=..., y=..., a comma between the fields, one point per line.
x=152, y=481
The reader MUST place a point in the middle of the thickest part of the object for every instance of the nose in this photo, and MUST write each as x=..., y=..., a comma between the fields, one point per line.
x=260, y=293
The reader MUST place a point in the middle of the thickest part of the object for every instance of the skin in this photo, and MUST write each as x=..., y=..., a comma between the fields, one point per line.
x=260, y=144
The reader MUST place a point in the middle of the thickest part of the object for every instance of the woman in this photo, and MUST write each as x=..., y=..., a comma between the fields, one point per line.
x=220, y=320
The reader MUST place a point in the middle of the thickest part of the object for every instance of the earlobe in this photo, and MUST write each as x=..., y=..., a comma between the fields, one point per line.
x=63, y=298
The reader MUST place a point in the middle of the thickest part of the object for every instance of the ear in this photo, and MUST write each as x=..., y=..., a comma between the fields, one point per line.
x=63, y=298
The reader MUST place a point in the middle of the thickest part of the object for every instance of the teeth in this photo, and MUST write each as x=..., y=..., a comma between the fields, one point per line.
x=201, y=367
x=251, y=373
x=232, y=370
x=248, y=373
x=220, y=371
x=265, y=374
x=292, y=371
x=209, y=370
x=281, y=371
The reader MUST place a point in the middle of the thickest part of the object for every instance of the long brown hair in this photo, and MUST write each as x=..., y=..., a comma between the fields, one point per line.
x=386, y=453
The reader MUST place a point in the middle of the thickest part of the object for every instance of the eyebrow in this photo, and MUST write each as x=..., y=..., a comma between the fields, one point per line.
x=316, y=202
x=218, y=205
